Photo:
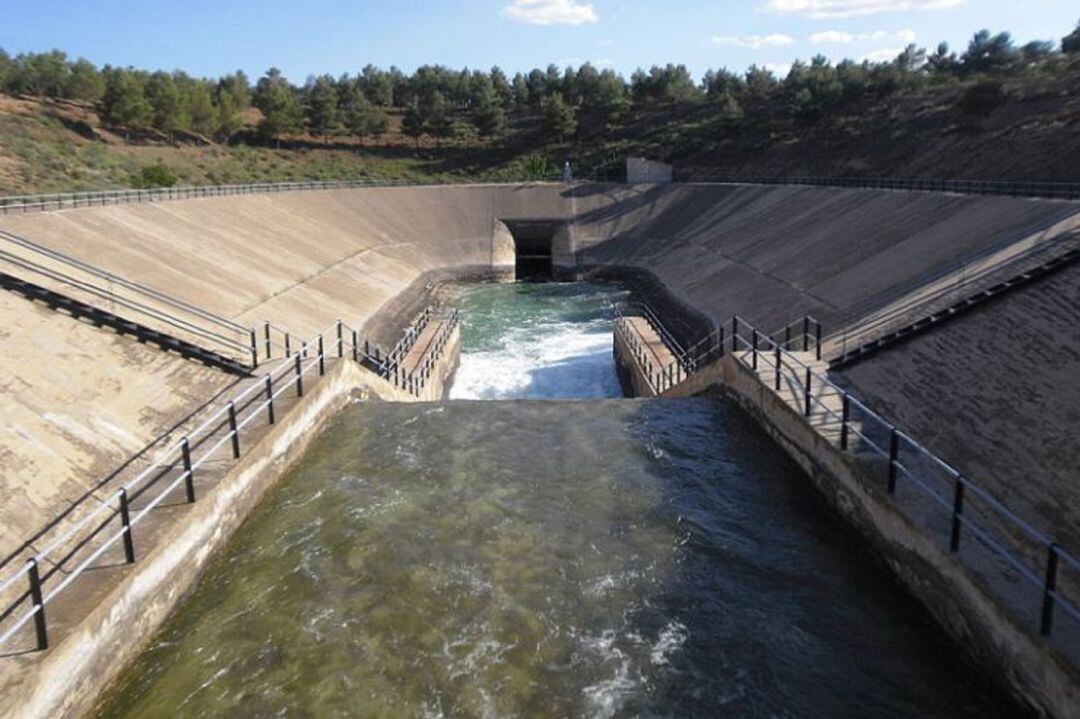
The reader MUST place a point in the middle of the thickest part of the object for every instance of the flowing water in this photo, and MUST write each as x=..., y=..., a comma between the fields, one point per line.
x=536, y=341
x=547, y=559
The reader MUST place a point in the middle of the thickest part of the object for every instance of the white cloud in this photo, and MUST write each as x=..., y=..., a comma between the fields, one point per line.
x=821, y=9
x=754, y=42
x=840, y=37
x=887, y=54
x=550, y=12
x=780, y=69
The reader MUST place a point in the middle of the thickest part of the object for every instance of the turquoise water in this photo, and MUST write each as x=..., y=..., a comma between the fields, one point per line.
x=536, y=341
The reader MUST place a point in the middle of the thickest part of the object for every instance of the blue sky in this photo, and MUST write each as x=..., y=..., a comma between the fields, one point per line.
x=210, y=38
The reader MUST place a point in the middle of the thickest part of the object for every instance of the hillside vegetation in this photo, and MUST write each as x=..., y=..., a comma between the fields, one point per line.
x=994, y=110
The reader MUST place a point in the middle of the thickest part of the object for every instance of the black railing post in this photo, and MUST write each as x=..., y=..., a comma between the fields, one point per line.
x=340, y=344
x=808, y=392
x=270, y=399
x=254, y=351
x=355, y=346
x=777, y=388
x=39, y=602
x=322, y=357
x=234, y=431
x=288, y=348
x=1049, y=588
x=125, y=520
x=894, y=453
x=845, y=419
x=266, y=337
x=957, y=511
x=734, y=334
x=189, y=471
x=817, y=340
x=806, y=333
x=299, y=378
x=753, y=346
x=721, y=340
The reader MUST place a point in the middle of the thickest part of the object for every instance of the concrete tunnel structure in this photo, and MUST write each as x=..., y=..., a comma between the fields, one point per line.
x=993, y=392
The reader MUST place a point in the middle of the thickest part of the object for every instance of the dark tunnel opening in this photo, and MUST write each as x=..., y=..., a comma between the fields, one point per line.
x=533, y=240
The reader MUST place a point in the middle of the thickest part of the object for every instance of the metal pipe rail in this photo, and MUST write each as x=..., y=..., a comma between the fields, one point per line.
x=122, y=281
x=416, y=380
x=658, y=376
x=902, y=306
x=97, y=198
x=807, y=332
x=222, y=333
x=1049, y=190
x=861, y=428
x=254, y=402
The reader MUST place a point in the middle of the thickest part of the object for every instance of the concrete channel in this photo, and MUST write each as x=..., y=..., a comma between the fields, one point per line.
x=87, y=408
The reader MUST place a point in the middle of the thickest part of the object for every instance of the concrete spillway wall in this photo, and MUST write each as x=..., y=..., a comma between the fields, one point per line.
x=78, y=401
x=303, y=259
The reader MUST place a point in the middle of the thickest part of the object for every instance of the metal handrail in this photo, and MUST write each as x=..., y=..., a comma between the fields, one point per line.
x=292, y=369
x=1052, y=597
x=908, y=304
x=94, y=198
x=1049, y=190
x=188, y=318
x=122, y=281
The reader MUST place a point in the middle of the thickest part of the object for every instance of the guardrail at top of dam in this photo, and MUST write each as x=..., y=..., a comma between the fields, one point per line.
x=1013, y=188
x=94, y=198
x=13, y=204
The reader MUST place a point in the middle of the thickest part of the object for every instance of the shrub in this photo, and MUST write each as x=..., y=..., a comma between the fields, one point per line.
x=156, y=175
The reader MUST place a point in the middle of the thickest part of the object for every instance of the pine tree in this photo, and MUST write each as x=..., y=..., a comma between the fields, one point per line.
x=84, y=82
x=125, y=101
x=229, y=121
x=437, y=119
x=487, y=114
x=560, y=120
x=412, y=125
x=201, y=110
x=282, y=114
x=1071, y=42
x=361, y=117
x=165, y=102
x=322, y=107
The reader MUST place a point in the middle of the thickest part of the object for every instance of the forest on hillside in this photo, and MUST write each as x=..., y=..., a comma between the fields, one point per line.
x=596, y=112
x=433, y=96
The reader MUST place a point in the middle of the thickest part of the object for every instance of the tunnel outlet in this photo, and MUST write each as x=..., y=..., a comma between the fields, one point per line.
x=532, y=243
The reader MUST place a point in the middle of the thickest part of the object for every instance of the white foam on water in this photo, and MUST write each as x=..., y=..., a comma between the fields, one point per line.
x=671, y=639
x=556, y=361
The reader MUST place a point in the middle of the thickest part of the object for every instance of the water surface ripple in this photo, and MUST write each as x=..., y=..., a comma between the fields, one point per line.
x=606, y=558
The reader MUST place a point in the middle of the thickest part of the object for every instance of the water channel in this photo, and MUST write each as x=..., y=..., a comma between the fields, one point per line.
x=548, y=557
